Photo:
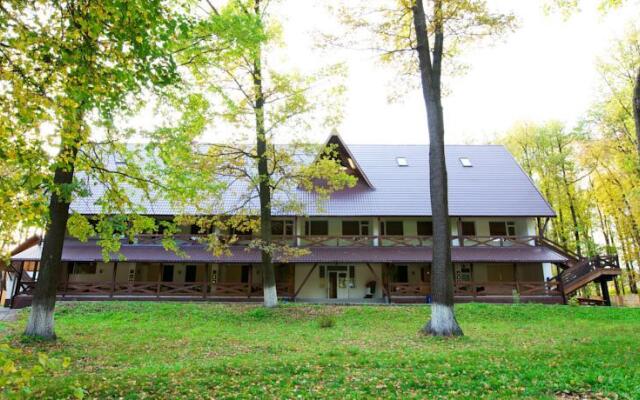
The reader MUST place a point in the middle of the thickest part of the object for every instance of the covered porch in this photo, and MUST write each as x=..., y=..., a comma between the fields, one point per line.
x=86, y=280
x=341, y=274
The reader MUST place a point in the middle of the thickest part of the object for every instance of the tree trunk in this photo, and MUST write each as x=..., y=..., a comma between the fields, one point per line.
x=41, y=322
x=268, y=274
x=443, y=321
x=636, y=111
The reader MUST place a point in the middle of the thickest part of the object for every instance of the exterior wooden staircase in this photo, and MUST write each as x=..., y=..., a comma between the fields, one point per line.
x=586, y=270
x=579, y=271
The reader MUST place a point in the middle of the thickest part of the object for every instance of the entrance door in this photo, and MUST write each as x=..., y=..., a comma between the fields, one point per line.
x=190, y=273
x=333, y=285
x=167, y=273
x=338, y=285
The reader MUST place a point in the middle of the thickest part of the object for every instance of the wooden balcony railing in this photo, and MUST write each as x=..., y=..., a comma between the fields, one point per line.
x=479, y=289
x=160, y=289
x=351, y=241
x=409, y=289
x=476, y=289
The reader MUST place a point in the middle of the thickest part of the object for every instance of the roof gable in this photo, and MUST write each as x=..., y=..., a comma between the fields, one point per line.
x=347, y=159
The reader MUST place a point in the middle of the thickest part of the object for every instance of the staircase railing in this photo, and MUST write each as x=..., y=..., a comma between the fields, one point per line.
x=572, y=256
x=586, y=266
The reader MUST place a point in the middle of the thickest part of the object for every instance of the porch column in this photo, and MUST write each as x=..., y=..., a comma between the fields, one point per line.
x=160, y=268
x=35, y=270
x=250, y=279
x=460, y=237
x=205, y=285
x=16, y=290
x=384, y=287
x=515, y=277
x=113, y=278
x=66, y=280
x=605, y=292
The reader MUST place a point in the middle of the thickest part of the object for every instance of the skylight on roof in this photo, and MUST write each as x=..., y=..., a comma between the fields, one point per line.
x=402, y=162
x=465, y=162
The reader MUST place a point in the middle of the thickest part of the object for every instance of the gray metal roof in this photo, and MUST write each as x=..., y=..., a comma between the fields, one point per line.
x=90, y=251
x=494, y=186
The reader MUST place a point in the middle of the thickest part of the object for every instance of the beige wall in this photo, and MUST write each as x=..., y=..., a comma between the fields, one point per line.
x=316, y=288
x=525, y=272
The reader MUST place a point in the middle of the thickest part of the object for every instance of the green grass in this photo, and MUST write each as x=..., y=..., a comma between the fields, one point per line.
x=174, y=350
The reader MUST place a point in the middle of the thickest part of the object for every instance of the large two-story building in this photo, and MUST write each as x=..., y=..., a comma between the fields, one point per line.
x=369, y=243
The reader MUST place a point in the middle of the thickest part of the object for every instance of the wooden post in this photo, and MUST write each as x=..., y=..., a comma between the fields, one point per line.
x=113, y=278
x=460, y=236
x=384, y=288
x=250, y=279
x=515, y=277
x=304, y=281
x=561, y=287
x=205, y=286
x=66, y=280
x=16, y=290
x=35, y=270
x=160, y=268
x=605, y=292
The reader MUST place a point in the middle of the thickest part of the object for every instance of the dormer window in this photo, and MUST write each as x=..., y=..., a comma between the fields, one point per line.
x=466, y=162
x=402, y=162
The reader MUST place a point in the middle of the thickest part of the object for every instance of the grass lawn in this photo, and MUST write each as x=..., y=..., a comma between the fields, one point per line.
x=188, y=350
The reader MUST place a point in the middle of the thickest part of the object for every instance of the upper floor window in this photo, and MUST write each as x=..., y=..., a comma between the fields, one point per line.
x=355, y=228
x=282, y=227
x=425, y=228
x=241, y=231
x=391, y=228
x=502, y=228
x=468, y=228
x=316, y=228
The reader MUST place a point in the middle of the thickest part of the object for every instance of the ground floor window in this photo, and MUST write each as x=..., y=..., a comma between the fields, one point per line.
x=167, y=273
x=190, y=273
x=82, y=268
x=400, y=273
x=246, y=270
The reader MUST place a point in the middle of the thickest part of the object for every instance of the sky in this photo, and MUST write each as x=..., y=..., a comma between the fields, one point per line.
x=545, y=69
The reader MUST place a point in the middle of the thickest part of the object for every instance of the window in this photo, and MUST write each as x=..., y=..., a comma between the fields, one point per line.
x=502, y=228
x=316, y=228
x=391, y=228
x=198, y=230
x=190, y=273
x=425, y=228
x=402, y=162
x=83, y=268
x=321, y=272
x=465, y=162
x=497, y=229
x=400, y=273
x=355, y=228
x=246, y=270
x=241, y=231
x=468, y=228
x=282, y=228
x=167, y=273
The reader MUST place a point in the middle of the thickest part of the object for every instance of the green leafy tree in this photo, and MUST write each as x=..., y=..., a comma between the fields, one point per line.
x=422, y=38
x=69, y=69
x=240, y=90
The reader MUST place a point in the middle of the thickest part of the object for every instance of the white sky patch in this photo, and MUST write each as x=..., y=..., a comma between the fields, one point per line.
x=544, y=70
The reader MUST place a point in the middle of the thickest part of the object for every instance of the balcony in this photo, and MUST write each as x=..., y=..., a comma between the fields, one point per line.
x=351, y=241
